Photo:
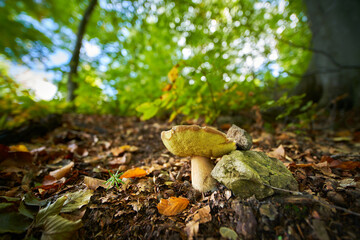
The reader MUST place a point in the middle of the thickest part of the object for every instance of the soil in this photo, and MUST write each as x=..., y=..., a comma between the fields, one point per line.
x=325, y=164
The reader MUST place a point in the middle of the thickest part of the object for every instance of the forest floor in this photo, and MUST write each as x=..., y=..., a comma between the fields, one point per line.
x=325, y=164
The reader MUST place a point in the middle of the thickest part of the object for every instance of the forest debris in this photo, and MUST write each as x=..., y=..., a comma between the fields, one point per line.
x=320, y=229
x=134, y=173
x=94, y=183
x=228, y=233
x=202, y=215
x=18, y=148
x=269, y=211
x=172, y=206
x=125, y=159
x=76, y=200
x=347, y=182
x=125, y=148
x=246, y=172
x=59, y=173
x=278, y=153
x=247, y=224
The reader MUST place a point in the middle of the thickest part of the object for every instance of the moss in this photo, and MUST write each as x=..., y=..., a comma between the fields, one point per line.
x=246, y=172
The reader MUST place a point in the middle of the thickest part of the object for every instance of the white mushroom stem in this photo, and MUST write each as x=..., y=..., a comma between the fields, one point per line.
x=201, y=178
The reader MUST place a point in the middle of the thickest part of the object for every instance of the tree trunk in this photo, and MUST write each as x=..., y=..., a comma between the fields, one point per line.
x=74, y=62
x=333, y=75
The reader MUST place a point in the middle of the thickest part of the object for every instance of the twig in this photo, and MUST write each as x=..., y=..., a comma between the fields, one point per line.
x=326, y=54
x=307, y=195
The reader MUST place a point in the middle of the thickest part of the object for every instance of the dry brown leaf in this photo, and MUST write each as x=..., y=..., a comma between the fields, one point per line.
x=200, y=216
x=134, y=173
x=125, y=148
x=59, y=173
x=172, y=206
x=94, y=183
x=278, y=153
x=121, y=160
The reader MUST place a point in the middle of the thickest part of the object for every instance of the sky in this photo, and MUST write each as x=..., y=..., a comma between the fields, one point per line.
x=41, y=81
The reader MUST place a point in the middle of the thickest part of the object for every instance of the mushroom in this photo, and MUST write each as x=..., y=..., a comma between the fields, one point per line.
x=201, y=144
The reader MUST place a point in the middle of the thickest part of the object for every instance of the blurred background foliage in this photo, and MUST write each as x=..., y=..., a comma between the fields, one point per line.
x=173, y=59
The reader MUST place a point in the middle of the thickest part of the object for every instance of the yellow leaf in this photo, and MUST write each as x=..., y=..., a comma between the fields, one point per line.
x=134, y=173
x=172, y=206
x=125, y=148
x=18, y=148
x=173, y=74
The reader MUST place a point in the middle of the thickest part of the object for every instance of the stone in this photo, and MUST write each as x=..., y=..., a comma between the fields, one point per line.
x=242, y=138
x=246, y=172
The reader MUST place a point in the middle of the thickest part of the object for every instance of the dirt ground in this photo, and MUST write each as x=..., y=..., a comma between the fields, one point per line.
x=325, y=164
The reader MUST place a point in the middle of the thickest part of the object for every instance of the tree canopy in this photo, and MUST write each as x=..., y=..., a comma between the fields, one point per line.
x=194, y=59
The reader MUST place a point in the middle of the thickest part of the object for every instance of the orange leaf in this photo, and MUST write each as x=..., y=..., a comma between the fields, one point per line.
x=134, y=173
x=172, y=206
x=167, y=88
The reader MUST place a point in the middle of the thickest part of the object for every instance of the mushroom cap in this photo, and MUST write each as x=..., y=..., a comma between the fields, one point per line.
x=193, y=140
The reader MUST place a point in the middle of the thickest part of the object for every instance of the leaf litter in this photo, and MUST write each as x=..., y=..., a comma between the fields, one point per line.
x=76, y=203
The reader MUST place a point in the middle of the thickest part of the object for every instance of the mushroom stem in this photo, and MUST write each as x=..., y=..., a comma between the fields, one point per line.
x=201, y=178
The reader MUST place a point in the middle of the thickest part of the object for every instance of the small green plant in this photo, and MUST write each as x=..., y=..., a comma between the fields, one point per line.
x=114, y=180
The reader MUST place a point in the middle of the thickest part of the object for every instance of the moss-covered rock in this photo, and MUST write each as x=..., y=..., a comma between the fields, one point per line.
x=246, y=172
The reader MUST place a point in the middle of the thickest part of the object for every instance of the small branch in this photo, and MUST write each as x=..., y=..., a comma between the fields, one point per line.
x=211, y=91
x=74, y=62
x=324, y=53
x=309, y=196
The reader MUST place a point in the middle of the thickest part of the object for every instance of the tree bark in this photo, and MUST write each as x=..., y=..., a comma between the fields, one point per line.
x=72, y=85
x=333, y=75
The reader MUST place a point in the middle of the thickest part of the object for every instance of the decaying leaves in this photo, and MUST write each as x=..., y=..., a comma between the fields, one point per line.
x=134, y=173
x=172, y=206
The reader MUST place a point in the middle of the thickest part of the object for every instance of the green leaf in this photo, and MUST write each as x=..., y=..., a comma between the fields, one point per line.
x=76, y=200
x=58, y=228
x=50, y=210
x=10, y=199
x=148, y=110
x=5, y=205
x=13, y=222
x=228, y=233
x=31, y=200
x=25, y=211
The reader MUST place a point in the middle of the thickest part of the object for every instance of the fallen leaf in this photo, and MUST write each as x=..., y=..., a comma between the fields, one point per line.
x=59, y=173
x=94, y=183
x=18, y=148
x=13, y=222
x=228, y=233
x=125, y=159
x=134, y=173
x=278, y=153
x=125, y=148
x=172, y=206
x=345, y=165
x=76, y=200
x=57, y=227
x=200, y=216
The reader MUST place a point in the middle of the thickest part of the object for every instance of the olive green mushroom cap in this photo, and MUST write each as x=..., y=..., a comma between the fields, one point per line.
x=193, y=140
